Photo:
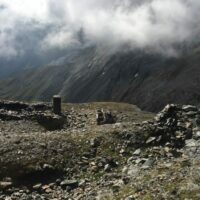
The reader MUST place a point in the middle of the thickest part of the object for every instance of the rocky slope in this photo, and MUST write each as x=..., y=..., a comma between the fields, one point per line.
x=149, y=81
x=142, y=156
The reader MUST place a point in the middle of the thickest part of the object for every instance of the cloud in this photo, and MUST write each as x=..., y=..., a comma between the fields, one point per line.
x=7, y=49
x=61, y=40
x=156, y=25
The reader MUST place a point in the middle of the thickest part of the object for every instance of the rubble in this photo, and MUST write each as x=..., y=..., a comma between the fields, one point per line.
x=173, y=125
x=5, y=185
x=146, y=156
x=41, y=112
x=105, y=117
x=19, y=106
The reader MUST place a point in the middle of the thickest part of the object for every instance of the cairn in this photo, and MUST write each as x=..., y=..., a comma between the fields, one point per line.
x=105, y=117
x=174, y=125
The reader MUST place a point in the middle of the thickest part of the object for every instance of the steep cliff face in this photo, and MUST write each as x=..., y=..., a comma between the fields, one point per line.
x=149, y=81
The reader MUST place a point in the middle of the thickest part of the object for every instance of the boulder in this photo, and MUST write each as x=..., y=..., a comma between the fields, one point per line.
x=50, y=121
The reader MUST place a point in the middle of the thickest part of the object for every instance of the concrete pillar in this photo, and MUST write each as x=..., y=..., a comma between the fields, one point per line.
x=57, y=104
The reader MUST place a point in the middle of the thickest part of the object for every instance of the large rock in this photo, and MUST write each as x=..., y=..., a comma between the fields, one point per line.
x=51, y=121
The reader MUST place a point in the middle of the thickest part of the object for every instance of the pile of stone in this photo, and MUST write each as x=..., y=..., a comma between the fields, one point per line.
x=10, y=115
x=41, y=112
x=21, y=106
x=14, y=110
x=105, y=117
x=173, y=125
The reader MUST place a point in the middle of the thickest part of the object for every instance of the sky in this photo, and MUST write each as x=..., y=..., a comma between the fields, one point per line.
x=44, y=25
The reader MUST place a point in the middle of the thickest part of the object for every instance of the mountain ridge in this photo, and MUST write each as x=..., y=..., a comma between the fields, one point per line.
x=147, y=80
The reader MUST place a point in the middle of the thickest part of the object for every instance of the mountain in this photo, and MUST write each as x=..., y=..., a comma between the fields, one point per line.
x=90, y=74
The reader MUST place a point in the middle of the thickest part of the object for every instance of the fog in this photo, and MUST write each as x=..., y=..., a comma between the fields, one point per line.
x=43, y=25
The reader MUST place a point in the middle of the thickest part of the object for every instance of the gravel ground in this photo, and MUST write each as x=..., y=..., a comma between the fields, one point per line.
x=139, y=157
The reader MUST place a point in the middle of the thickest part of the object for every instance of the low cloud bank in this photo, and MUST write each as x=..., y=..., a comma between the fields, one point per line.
x=43, y=25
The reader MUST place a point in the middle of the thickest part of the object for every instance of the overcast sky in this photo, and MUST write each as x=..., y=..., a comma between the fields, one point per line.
x=48, y=24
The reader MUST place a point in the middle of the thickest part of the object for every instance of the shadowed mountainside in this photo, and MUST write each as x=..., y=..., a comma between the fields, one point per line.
x=149, y=81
